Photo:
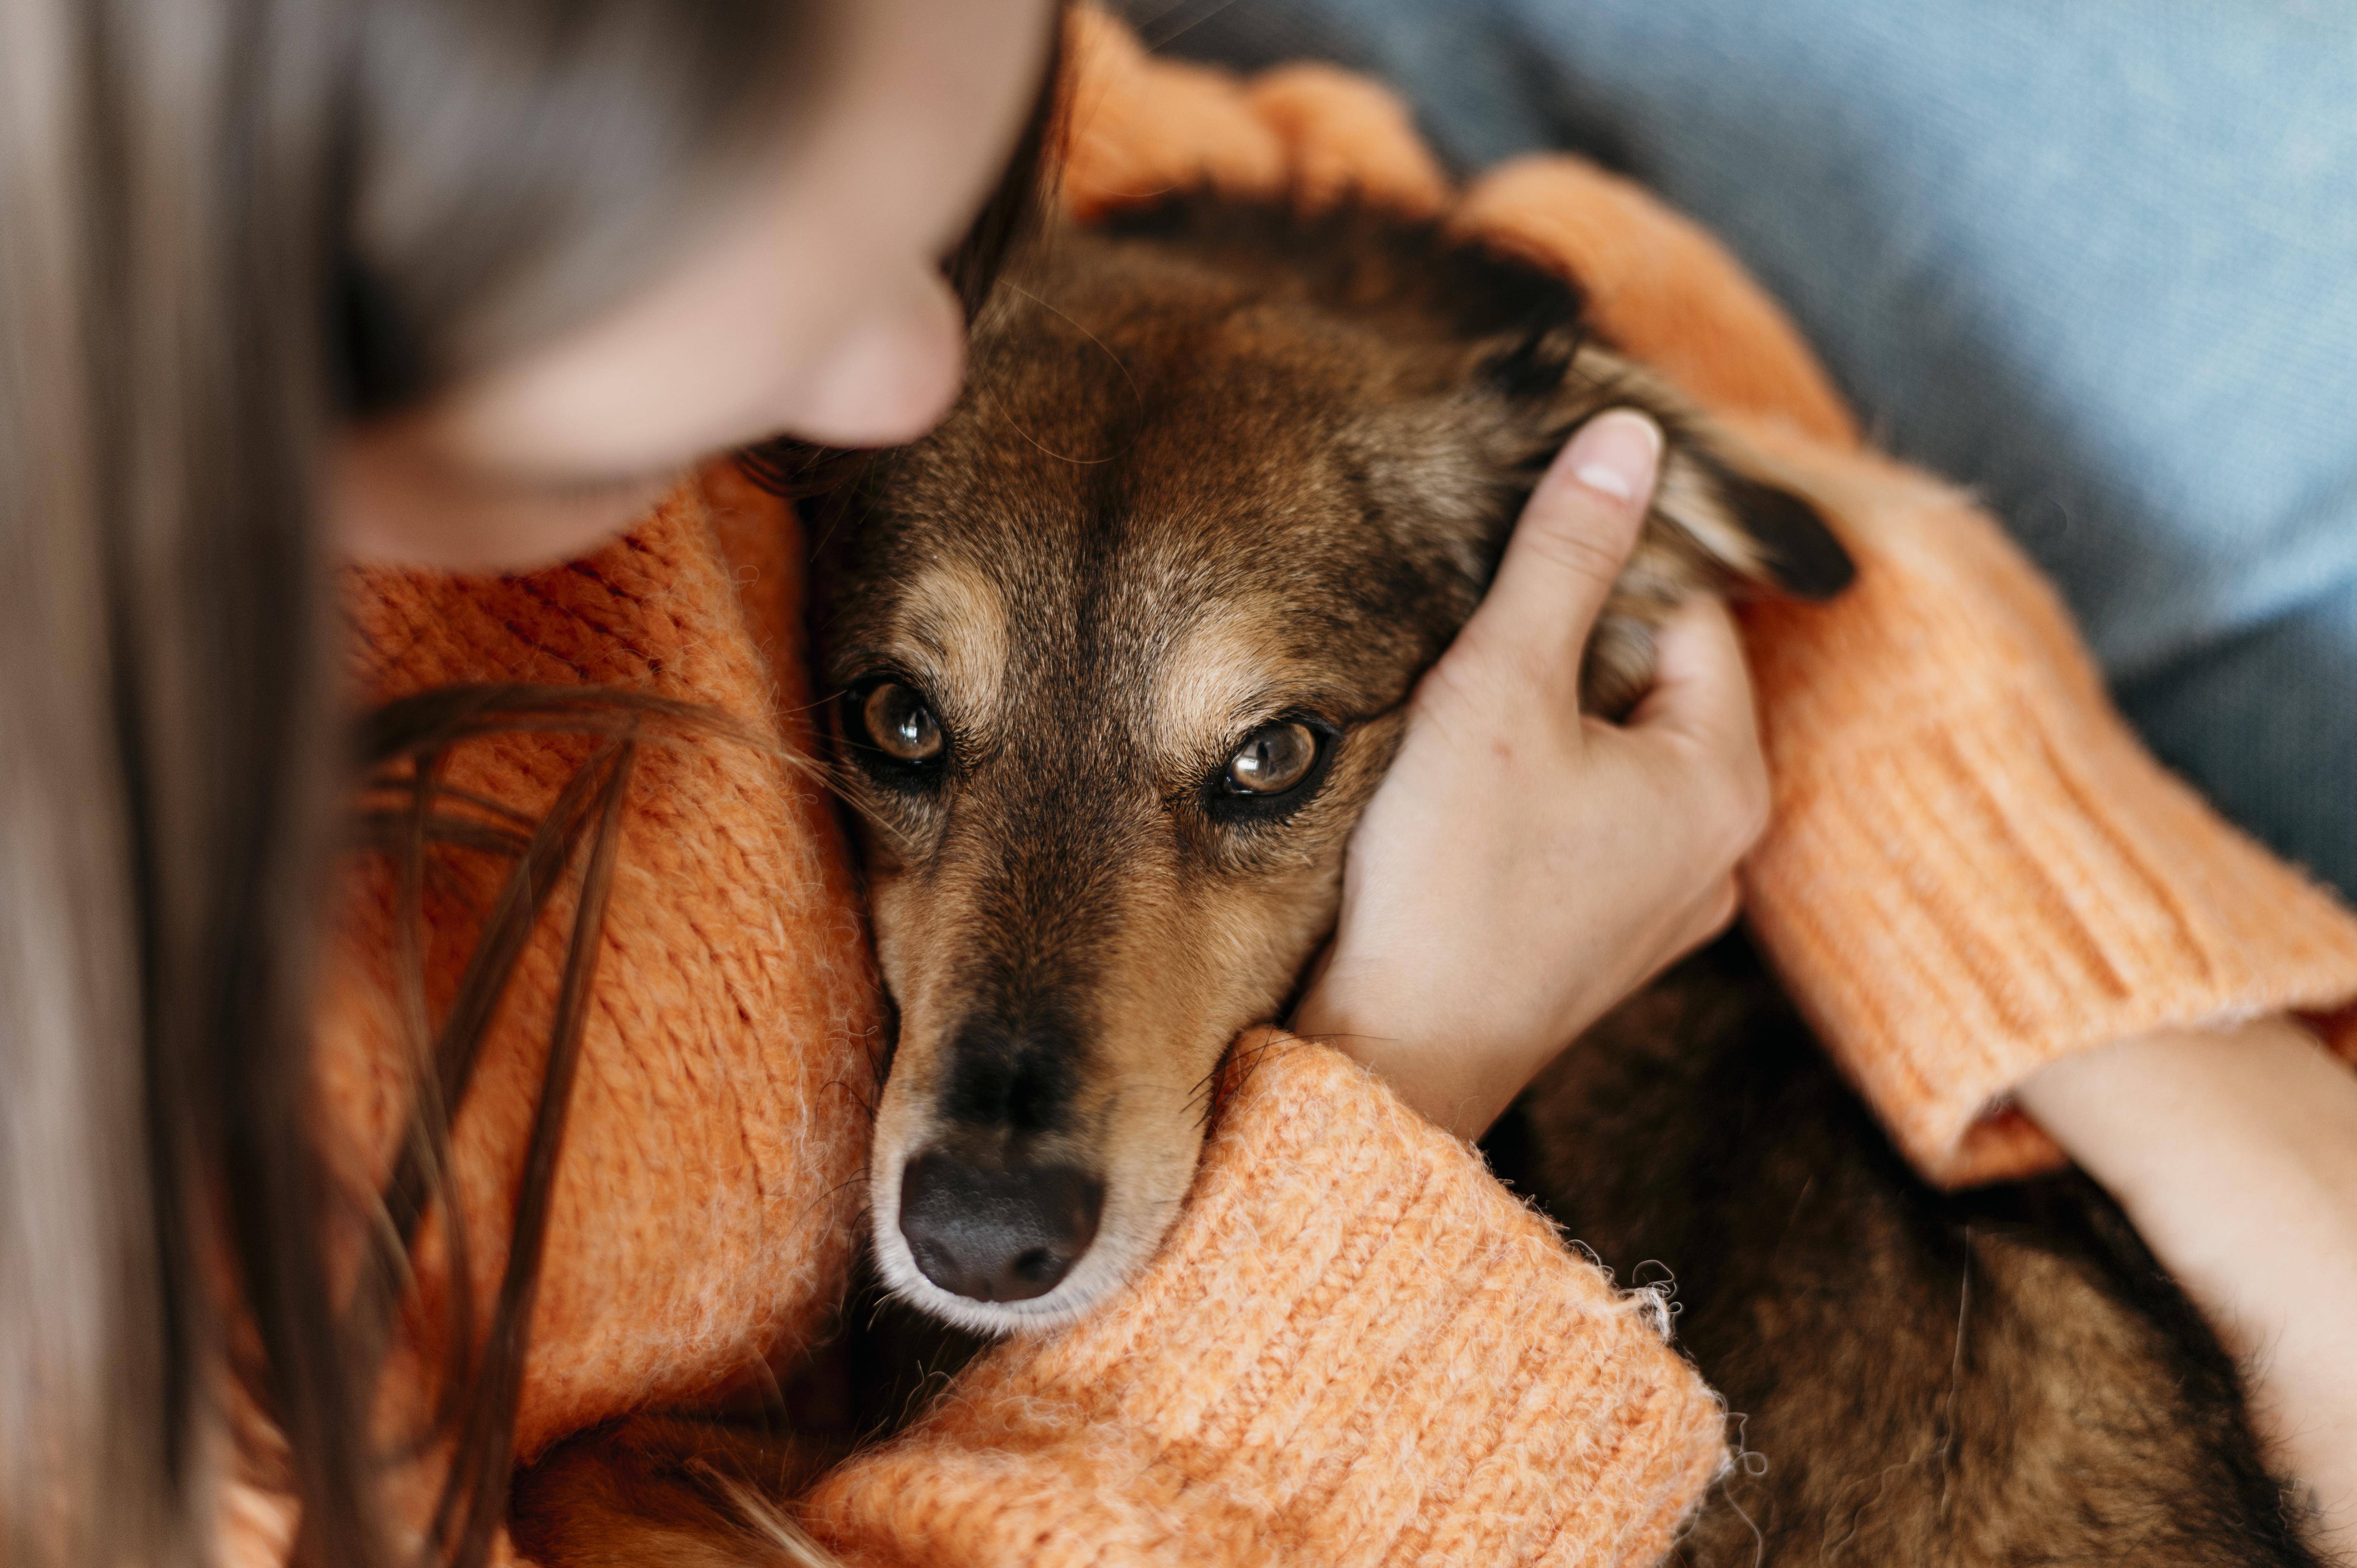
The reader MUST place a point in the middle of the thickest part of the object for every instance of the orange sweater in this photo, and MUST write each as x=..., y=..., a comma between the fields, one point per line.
x=1356, y=1347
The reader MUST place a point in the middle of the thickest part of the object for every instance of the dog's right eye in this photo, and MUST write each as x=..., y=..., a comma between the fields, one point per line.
x=901, y=725
x=1272, y=774
x=1273, y=759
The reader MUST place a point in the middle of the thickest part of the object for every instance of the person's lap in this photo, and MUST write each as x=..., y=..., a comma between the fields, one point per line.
x=2098, y=262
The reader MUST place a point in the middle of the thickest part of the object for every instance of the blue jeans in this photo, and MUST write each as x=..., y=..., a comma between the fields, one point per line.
x=2097, y=261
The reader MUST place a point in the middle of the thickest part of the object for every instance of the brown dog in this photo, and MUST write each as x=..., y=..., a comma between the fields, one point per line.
x=1122, y=652
x=1122, y=649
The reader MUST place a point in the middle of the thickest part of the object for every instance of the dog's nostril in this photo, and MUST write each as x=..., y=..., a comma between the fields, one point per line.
x=996, y=1235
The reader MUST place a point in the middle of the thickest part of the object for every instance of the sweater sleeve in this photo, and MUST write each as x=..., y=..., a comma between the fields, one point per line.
x=1974, y=866
x=1355, y=1347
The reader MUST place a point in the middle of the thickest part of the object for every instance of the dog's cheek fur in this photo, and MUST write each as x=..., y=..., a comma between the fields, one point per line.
x=1189, y=966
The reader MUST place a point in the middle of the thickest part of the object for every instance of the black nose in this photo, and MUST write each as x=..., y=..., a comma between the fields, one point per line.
x=992, y=1235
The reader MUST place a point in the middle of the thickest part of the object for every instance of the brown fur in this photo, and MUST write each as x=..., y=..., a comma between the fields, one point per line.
x=1224, y=466
x=1998, y=1376
x=669, y=1492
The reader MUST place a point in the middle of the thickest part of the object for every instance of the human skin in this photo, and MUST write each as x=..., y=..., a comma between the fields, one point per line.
x=812, y=308
x=1551, y=863
x=2234, y=1153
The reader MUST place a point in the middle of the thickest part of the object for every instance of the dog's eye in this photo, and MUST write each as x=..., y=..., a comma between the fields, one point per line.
x=1272, y=759
x=901, y=725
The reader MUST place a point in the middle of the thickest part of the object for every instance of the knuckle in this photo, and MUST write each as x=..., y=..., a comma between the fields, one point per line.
x=1473, y=678
x=1491, y=673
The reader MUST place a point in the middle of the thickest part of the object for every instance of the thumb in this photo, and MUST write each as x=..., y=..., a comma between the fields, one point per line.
x=1567, y=550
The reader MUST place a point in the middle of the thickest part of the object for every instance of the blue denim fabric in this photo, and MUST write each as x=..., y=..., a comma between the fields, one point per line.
x=2097, y=261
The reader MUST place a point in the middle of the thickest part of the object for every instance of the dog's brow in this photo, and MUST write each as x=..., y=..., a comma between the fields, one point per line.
x=1218, y=670
x=953, y=618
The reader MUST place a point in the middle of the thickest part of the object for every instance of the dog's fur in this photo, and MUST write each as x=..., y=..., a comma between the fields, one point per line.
x=1222, y=467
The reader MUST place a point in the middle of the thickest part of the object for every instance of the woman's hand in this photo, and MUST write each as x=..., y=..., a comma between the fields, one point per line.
x=1522, y=867
x=2234, y=1153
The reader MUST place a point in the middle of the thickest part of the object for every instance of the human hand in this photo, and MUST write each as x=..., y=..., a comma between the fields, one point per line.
x=1522, y=866
x=2234, y=1153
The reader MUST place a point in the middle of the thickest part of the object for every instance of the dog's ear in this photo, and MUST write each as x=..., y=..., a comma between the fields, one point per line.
x=1713, y=527
x=1760, y=534
x=1754, y=533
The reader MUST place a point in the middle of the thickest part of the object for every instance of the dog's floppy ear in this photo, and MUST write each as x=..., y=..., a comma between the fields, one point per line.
x=1759, y=533
x=1712, y=529
x=1753, y=533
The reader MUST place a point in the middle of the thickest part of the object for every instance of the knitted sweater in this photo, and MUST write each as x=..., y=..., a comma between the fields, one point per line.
x=1355, y=1347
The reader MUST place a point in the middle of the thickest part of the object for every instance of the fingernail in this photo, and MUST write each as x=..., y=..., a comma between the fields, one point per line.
x=1615, y=454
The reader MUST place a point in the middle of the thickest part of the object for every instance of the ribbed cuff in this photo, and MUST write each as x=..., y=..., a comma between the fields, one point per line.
x=1975, y=867
x=1356, y=1347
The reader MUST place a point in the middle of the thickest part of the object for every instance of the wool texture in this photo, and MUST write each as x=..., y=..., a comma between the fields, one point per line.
x=720, y=1110
x=1356, y=1347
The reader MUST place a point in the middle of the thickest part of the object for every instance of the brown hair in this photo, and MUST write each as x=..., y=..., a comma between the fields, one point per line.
x=227, y=227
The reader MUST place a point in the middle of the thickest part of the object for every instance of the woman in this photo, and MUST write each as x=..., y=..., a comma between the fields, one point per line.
x=467, y=285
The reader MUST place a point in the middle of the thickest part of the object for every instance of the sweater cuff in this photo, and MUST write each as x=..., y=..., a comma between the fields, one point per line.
x=1975, y=867
x=1355, y=1347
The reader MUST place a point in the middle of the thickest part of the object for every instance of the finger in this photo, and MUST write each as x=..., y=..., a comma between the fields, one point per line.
x=1719, y=913
x=1703, y=699
x=1702, y=687
x=1568, y=548
x=1706, y=919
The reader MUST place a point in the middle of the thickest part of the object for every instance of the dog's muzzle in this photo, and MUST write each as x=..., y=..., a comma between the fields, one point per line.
x=996, y=1235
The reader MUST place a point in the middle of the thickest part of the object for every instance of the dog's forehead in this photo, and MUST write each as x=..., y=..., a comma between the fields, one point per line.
x=1158, y=626
x=1189, y=470
x=1194, y=511
x=1206, y=569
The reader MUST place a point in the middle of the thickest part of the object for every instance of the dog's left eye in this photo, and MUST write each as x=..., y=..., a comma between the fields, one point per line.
x=901, y=725
x=1272, y=759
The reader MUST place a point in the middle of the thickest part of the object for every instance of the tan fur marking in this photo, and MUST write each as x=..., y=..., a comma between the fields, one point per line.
x=1215, y=677
x=953, y=625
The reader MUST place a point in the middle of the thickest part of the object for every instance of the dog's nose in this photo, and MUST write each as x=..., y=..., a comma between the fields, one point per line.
x=992, y=1235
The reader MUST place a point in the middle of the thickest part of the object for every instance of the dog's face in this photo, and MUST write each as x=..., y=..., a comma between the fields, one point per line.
x=1122, y=650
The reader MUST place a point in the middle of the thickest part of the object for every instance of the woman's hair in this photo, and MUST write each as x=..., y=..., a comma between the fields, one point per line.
x=226, y=228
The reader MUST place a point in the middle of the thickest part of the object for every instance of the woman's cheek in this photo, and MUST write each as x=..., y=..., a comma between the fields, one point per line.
x=889, y=377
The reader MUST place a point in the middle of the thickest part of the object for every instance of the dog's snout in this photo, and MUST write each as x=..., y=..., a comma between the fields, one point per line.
x=996, y=1235
x=1017, y=1078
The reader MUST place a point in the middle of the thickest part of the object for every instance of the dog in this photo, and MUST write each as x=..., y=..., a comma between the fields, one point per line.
x=1121, y=651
